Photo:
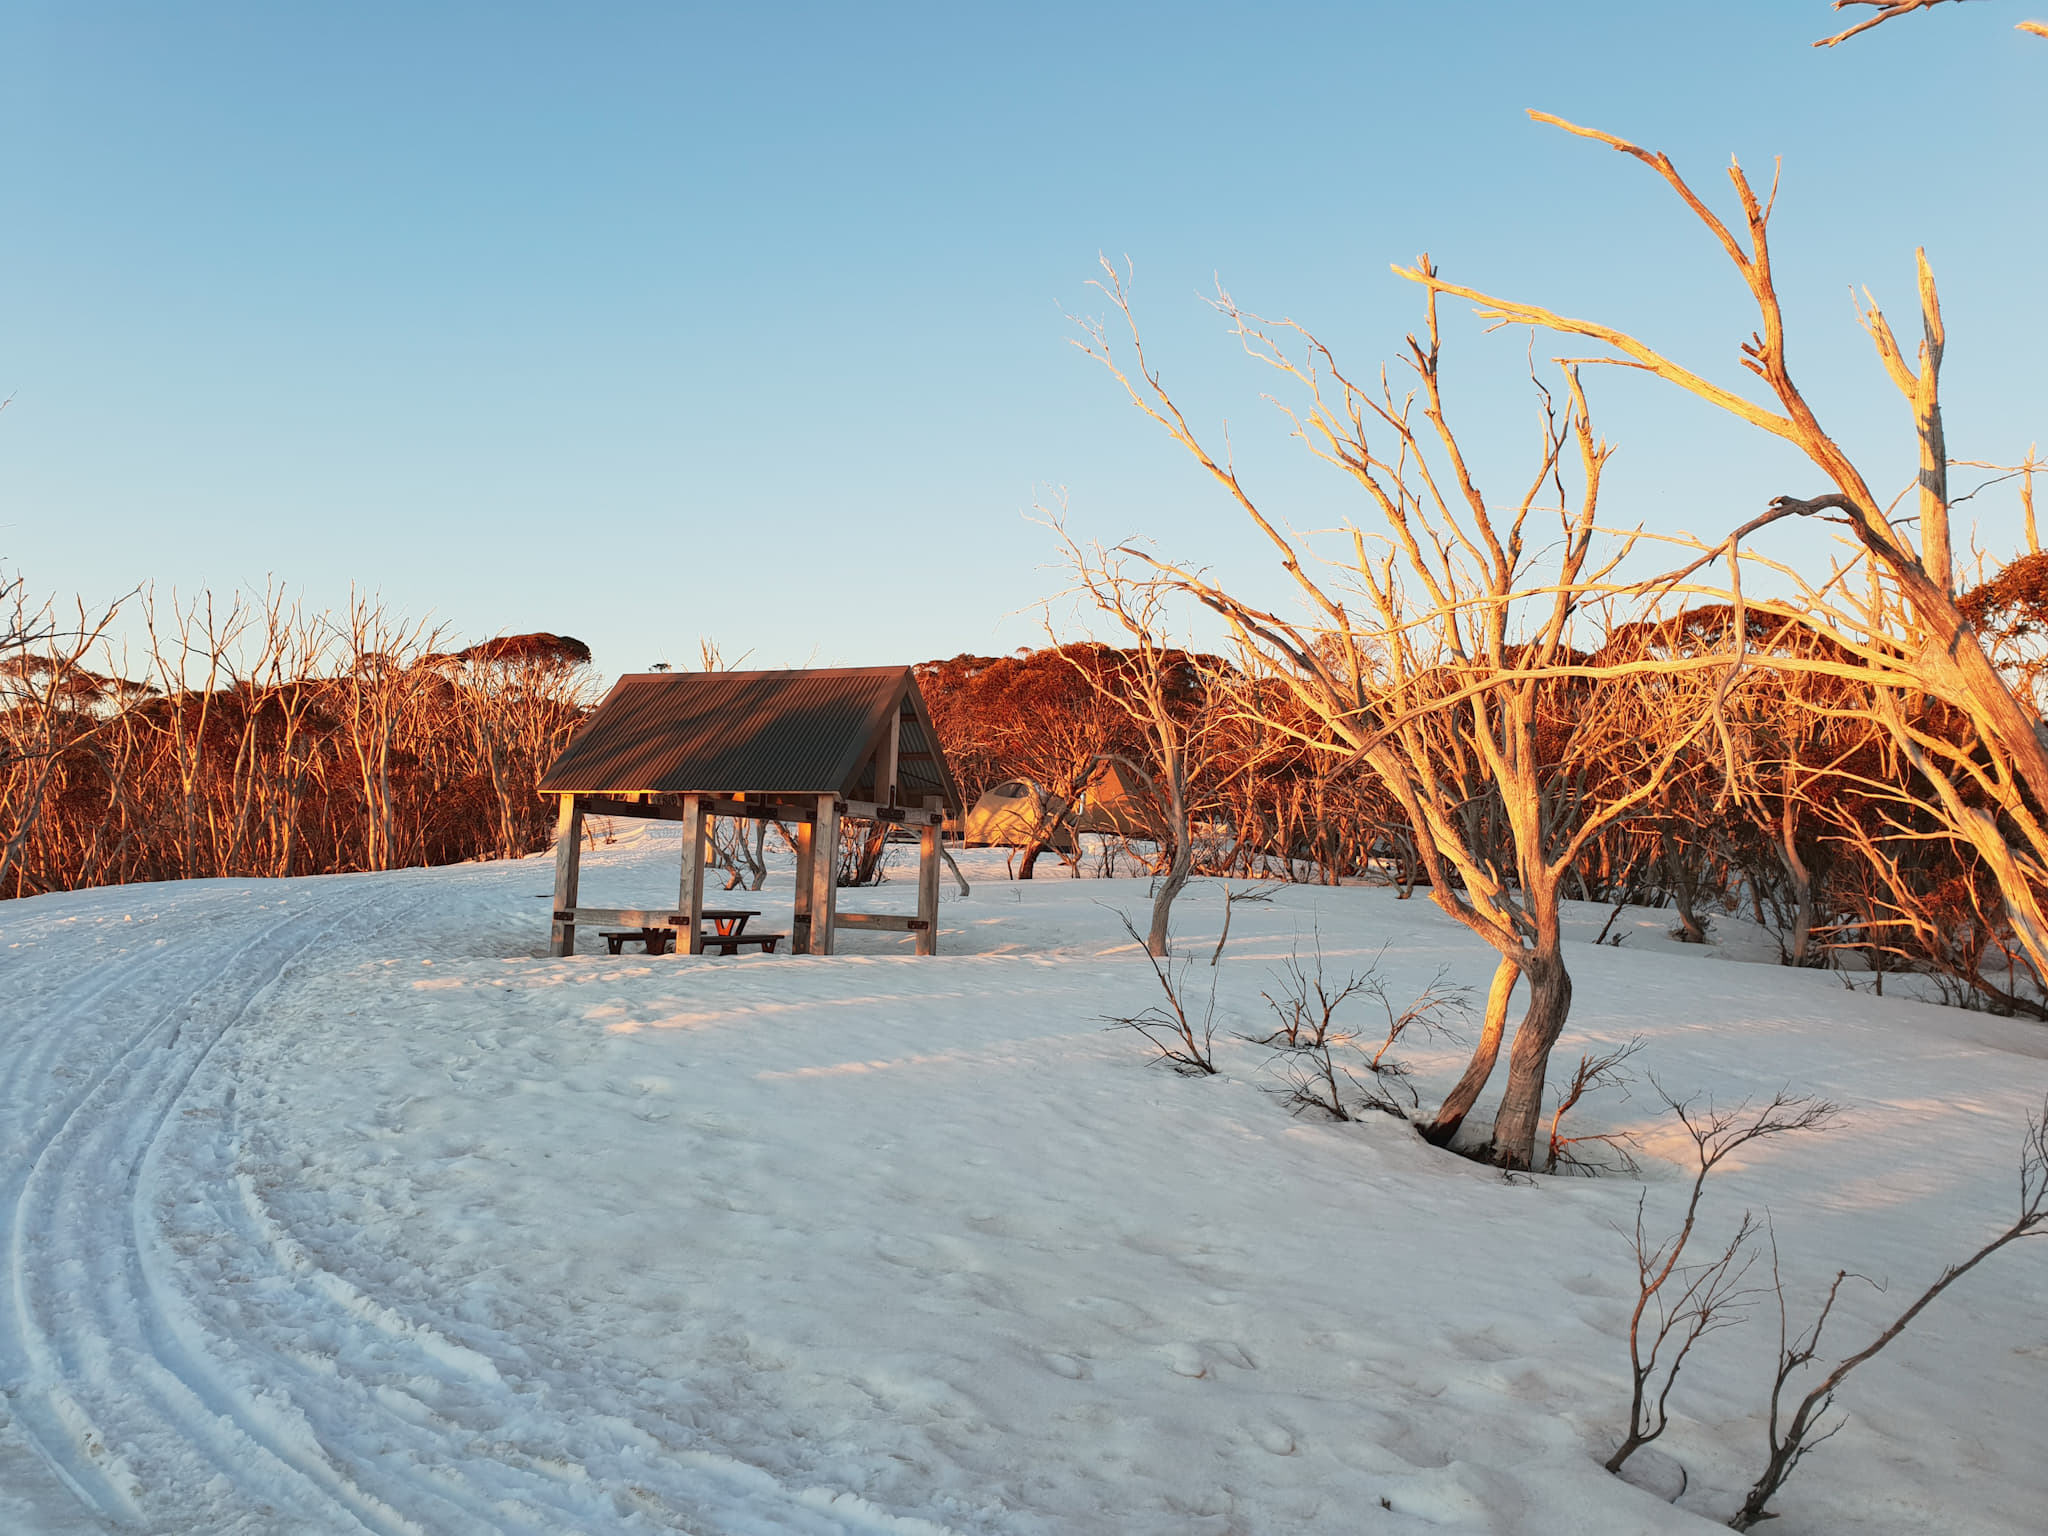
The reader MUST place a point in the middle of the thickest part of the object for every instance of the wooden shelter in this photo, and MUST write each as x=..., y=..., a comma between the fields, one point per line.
x=801, y=748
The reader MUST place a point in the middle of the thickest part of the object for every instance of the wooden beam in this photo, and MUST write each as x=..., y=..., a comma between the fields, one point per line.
x=645, y=810
x=800, y=914
x=885, y=764
x=895, y=815
x=623, y=917
x=755, y=810
x=691, y=897
x=758, y=810
x=568, y=868
x=895, y=922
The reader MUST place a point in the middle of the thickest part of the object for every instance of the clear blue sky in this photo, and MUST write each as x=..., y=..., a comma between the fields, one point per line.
x=651, y=322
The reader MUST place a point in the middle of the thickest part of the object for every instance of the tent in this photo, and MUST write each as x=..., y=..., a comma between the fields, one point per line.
x=1016, y=812
x=1019, y=811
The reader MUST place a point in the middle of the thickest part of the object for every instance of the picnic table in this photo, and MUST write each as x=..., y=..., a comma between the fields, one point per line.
x=726, y=936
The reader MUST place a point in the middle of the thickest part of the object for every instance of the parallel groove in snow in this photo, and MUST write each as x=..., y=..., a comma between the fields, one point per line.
x=351, y=1213
x=85, y=1315
x=156, y=1417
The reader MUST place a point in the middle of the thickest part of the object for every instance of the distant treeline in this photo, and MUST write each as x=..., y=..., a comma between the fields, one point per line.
x=253, y=739
x=1798, y=812
x=257, y=740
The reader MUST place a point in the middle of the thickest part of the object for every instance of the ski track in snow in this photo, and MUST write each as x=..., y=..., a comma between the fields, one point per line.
x=119, y=1400
x=313, y=1414
x=303, y=1239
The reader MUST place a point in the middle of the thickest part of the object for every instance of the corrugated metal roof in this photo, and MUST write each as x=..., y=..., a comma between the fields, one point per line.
x=754, y=733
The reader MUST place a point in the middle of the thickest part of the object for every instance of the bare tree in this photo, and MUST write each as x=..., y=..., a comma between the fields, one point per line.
x=1791, y=1436
x=1442, y=673
x=1163, y=692
x=1677, y=1304
x=1891, y=612
x=383, y=674
x=41, y=664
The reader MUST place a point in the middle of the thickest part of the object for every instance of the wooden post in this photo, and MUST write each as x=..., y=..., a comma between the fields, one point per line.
x=824, y=874
x=800, y=914
x=690, y=899
x=885, y=770
x=928, y=890
x=568, y=866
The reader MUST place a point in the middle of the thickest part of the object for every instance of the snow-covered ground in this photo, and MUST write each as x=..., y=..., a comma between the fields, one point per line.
x=333, y=1205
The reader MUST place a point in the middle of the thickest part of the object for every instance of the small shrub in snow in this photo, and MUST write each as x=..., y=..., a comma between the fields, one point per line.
x=1802, y=1429
x=1231, y=899
x=1315, y=1055
x=1592, y=1074
x=1175, y=1037
x=1678, y=1304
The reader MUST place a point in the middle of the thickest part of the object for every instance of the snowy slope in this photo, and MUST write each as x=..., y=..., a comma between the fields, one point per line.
x=332, y=1205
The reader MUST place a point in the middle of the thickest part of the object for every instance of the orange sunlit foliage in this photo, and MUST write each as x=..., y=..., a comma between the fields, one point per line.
x=271, y=745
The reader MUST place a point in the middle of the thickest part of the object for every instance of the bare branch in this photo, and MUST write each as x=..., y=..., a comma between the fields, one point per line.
x=1887, y=10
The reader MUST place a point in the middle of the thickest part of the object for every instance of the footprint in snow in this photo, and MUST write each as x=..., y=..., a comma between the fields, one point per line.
x=1481, y=1347
x=1591, y=1284
x=1065, y=1365
x=1274, y=1438
x=1234, y=1354
x=906, y=1252
x=1186, y=1360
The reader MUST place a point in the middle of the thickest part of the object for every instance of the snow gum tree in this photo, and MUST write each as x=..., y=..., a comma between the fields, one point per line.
x=1440, y=653
x=1896, y=624
x=1164, y=693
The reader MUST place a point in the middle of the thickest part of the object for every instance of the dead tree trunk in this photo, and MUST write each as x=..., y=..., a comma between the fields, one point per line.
x=1521, y=1105
x=1458, y=1103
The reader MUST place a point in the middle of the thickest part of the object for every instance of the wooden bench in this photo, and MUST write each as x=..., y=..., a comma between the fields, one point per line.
x=730, y=943
x=659, y=941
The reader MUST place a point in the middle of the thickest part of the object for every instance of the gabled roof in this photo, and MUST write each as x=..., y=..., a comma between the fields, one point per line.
x=756, y=733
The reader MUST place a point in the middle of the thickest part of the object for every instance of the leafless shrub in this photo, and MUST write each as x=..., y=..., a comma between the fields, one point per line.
x=1308, y=1035
x=1315, y=1056
x=1426, y=1013
x=1807, y=1425
x=1678, y=1304
x=1607, y=927
x=1173, y=1033
x=1230, y=900
x=1591, y=1075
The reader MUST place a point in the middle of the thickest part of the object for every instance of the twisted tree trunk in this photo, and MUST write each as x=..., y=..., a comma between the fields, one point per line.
x=1458, y=1103
x=1521, y=1106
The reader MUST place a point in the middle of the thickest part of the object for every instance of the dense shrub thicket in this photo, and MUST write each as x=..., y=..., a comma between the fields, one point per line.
x=256, y=742
x=1802, y=817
